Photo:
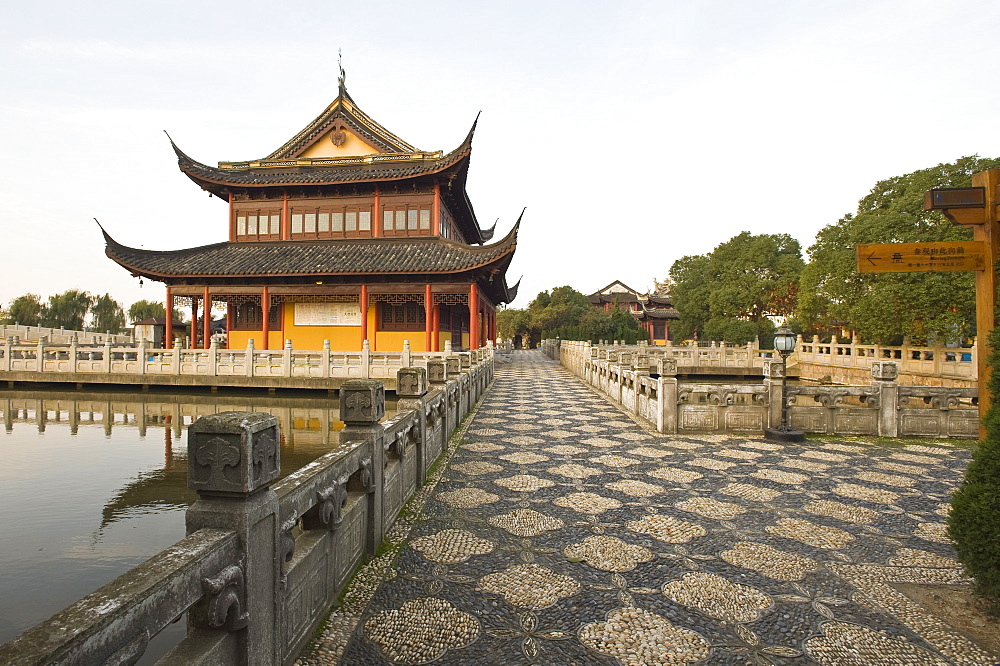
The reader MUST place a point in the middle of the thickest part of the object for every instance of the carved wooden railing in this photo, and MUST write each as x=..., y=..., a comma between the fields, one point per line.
x=265, y=560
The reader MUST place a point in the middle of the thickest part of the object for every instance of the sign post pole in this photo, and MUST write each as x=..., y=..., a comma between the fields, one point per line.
x=976, y=207
x=986, y=286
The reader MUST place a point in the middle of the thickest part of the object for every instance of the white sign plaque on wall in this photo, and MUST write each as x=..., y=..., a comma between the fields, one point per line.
x=327, y=314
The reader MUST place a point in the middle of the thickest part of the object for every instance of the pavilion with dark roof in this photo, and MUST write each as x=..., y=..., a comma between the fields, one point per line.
x=344, y=234
x=654, y=312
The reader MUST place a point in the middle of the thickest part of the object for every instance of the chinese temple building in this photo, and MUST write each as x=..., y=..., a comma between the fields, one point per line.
x=346, y=233
x=653, y=312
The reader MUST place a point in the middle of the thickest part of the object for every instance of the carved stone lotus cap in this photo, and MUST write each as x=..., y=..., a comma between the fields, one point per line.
x=774, y=368
x=454, y=365
x=233, y=453
x=666, y=367
x=466, y=359
x=885, y=370
x=411, y=382
x=362, y=401
x=436, y=373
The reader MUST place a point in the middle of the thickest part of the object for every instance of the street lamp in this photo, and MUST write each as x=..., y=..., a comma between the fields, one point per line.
x=784, y=344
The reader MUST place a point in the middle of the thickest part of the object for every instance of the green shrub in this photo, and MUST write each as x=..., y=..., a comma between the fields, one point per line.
x=974, y=524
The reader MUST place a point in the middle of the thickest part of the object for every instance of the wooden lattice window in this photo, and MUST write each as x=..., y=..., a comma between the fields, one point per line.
x=247, y=317
x=408, y=316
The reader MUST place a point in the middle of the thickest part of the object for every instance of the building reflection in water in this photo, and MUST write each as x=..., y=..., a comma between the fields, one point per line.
x=309, y=426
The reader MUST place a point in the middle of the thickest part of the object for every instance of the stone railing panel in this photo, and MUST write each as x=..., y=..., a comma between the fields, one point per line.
x=882, y=407
x=115, y=623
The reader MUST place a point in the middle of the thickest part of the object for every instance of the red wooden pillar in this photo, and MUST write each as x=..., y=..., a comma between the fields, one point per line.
x=232, y=220
x=194, y=322
x=229, y=324
x=473, y=316
x=364, y=313
x=436, y=212
x=207, y=315
x=428, y=316
x=265, y=314
x=436, y=312
x=377, y=214
x=168, y=334
x=286, y=219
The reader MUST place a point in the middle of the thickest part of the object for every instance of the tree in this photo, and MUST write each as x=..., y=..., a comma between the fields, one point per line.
x=732, y=292
x=880, y=307
x=974, y=521
x=150, y=309
x=567, y=313
x=108, y=314
x=26, y=310
x=67, y=310
x=512, y=323
x=145, y=310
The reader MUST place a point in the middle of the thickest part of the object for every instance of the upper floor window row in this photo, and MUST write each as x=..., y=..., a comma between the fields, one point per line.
x=350, y=219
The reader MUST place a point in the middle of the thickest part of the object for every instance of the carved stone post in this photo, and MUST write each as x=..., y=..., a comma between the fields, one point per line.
x=666, y=420
x=362, y=406
x=774, y=372
x=40, y=354
x=437, y=373
x=233, y=458
x=8, y=352
x=249, y=357
x=411, y=387
x=107, y=355
x=454, y=366
x=884, y=382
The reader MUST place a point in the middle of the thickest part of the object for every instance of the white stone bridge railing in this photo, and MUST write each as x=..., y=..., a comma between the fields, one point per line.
x=694, y=357
x=264, y=560
x=650, y=389
x=850, y=361
x=142, y=361
x=61, y=335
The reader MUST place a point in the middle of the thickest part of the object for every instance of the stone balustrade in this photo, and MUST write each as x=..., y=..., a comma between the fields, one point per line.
x=142, y=364
x=61, y=336
x=264, y=560
x=650, y=389
x=849, y=361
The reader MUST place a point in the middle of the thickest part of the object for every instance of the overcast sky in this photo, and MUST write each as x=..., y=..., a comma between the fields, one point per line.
x=633, y=132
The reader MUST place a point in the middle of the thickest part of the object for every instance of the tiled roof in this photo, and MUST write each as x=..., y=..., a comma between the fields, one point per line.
x=359, y=256
x=349, y=170
x=657, y=313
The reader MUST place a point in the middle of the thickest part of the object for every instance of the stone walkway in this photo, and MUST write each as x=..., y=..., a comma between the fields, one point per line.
x=561, y=532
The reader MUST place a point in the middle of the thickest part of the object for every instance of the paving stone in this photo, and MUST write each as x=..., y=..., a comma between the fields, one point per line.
x=563, y=532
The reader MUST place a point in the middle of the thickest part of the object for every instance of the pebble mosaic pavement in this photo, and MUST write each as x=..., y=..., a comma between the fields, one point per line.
x=560, y=531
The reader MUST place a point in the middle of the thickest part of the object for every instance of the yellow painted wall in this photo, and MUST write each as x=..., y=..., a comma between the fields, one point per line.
x=342, y=338
x=238, y=339
x=352, y=146
x=393, y=340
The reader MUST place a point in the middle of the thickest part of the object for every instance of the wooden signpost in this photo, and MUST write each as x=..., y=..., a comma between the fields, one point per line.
x=914, y=257
x=974, y=207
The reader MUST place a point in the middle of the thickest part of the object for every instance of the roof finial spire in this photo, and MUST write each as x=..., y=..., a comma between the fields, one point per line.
x=342, y=79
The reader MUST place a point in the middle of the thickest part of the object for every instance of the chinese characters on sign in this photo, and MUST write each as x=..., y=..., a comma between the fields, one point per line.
x=327, y=314
x=913, y=257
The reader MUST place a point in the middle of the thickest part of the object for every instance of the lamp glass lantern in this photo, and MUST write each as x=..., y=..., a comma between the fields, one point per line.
x=784, y=344
x=784, y=341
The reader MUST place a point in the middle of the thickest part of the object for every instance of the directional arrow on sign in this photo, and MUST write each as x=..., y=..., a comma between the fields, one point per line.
x=918, y=257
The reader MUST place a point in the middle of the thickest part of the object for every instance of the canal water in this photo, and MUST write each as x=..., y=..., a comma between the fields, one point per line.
x=92, y=484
